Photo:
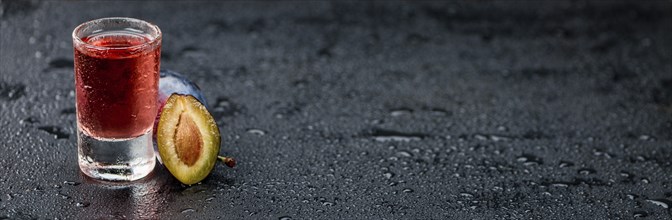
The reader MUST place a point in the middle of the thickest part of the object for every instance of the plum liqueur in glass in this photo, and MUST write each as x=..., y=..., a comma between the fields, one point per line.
x=116, y=82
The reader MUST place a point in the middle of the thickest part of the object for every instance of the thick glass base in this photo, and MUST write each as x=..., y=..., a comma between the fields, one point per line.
x=116, y=159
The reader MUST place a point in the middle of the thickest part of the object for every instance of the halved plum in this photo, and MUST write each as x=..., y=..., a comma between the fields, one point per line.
x=188, y=138
x=172, y=82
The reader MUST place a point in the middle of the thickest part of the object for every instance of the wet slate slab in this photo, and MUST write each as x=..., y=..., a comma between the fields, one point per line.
x=445, y=110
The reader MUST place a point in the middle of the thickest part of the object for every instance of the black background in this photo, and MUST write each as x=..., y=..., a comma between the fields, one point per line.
x=445, y=110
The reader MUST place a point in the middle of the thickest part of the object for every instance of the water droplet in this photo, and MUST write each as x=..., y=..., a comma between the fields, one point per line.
x=601, y=153
x=586, y=171
x=285, y=218
x=11, y=91
x=528, y=160
x=480, y=137
x=188, y=210
x=407, y=190
x=29, y=120
x=640, y=214
x=328, y=204
x=71, y=183
x=439, y=111
x=625, y=174
x=631, y=196
x=256, y=131
x=388, y=175
x=660, y=202
x=646, y=138
x=465, y=194
x=559, y=184
x=492, y=137
x=565, y=164
x=381, y=135
x=63, y=196
x=225, y=107
x=404, y=153
x=401, y=112
x=645, y=180
x=639, y=158
x=82, y=204
x=498, y=138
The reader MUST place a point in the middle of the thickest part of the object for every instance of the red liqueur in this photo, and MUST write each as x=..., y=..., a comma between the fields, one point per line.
x=116, y=79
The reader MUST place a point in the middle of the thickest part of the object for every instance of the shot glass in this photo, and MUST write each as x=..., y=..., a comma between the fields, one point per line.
x=116, y=80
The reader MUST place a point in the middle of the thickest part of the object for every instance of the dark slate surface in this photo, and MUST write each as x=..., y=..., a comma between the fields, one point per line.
x=446, y=110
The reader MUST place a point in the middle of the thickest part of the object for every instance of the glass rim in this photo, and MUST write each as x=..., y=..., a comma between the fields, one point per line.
x=78, y=40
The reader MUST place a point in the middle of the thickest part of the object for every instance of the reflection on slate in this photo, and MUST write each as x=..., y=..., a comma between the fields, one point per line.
x=360, y=110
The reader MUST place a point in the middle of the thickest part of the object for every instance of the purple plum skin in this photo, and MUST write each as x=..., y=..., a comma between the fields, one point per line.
x=173, y=82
